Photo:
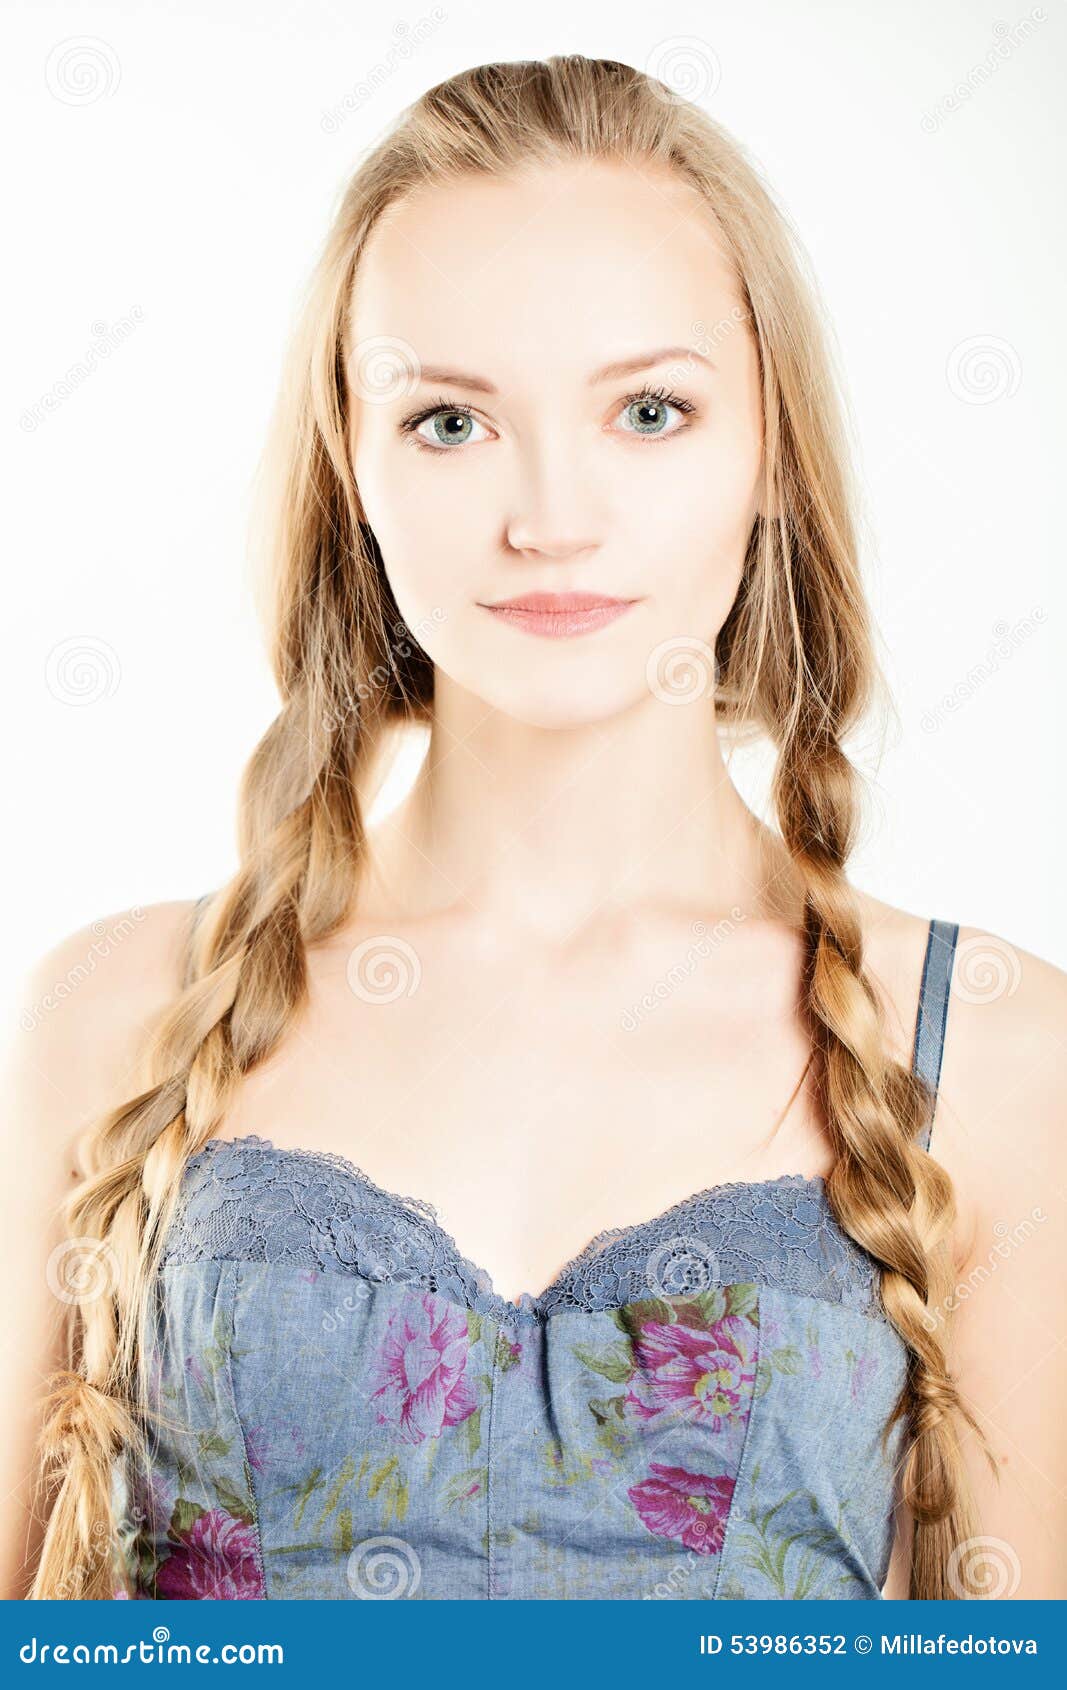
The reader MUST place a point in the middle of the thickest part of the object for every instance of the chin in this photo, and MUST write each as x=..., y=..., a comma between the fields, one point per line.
x=570, y=707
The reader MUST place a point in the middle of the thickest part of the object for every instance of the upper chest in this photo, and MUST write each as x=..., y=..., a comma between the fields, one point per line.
x=536, y=1104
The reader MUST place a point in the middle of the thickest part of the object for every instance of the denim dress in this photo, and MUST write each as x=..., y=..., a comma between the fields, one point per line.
x=694, y=1408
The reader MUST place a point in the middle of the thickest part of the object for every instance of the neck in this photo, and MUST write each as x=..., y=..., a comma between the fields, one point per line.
x=548, y=830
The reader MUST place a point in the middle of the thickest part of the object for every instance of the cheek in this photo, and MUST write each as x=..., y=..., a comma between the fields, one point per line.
x=690, y=541
x=426, y=532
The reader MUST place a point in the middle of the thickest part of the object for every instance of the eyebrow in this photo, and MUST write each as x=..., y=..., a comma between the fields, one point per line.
x=446, y=376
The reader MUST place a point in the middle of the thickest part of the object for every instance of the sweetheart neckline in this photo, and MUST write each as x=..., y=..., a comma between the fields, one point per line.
x=529, y=1304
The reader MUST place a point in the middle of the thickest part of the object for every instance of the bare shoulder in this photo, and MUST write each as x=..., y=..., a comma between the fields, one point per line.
x=84, y=1009
x=999, y=1123
x=81, y=1017
x=999, y=1126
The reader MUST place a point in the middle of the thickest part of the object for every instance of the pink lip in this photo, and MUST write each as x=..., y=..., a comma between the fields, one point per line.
x=559, y=615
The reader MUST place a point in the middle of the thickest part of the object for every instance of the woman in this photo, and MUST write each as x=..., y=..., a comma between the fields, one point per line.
x=570, y=983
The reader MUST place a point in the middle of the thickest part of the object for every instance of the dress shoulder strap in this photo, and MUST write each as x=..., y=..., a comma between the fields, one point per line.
x=198, y=910
x=932, y=1015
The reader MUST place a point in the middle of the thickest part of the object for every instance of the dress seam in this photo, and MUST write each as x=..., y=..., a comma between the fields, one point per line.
x=233, y=1278
x=742, y=1465
x=489, y=1491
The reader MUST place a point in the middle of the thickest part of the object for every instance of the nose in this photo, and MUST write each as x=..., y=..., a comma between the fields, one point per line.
x=551, y=508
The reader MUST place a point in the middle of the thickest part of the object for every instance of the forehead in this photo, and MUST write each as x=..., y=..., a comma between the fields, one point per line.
x=545, y=269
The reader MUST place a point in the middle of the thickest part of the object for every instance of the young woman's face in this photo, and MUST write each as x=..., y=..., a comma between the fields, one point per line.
x=497, y=454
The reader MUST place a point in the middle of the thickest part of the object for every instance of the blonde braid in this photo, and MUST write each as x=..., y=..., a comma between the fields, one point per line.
x=885, y=1190
x=246, y=974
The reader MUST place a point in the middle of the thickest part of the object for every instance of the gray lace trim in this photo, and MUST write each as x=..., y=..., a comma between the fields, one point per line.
x=247, y=1200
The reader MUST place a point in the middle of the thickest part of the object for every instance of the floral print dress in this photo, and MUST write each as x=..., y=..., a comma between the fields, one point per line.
x=344, y=1408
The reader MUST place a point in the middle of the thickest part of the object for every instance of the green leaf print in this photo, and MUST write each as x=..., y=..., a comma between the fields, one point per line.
x=712, y=1305
x=345, y=1472
x=606, y=1409
x=211, y=1444
x=235, y=1502
x=183, y=1516
x=633, y=1316
x=615, y=1362
x=507, y=1353
x=743, y=1299
x=474, y=1431
x=310, y=1486
x=465, y=1486
x=768, y=1551
x=390, y=1479
x=787, y=1359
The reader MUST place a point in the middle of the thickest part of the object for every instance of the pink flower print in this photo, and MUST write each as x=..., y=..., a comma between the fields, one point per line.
x=815, y=1358
x=771, y=1329
x=703, y=1373
x=263, y=1442
x=688, y=1507
x=863, y=1369
x=422, y=1385
x=214, y=1560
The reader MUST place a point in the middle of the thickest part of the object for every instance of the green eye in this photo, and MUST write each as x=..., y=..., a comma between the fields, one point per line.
x=452, y=424
x=649, y=411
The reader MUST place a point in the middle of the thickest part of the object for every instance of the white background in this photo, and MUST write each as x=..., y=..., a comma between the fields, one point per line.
x=169, y=184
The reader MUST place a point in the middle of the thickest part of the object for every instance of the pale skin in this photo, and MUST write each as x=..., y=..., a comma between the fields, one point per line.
x=566, y=831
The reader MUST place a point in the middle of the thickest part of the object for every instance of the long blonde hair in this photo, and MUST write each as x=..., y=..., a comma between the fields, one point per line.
x=794, y=662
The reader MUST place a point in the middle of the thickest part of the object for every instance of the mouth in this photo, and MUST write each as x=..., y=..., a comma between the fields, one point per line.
x=559, y=615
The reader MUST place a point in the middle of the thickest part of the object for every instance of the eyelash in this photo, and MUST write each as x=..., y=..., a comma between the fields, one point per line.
x=647, y=396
